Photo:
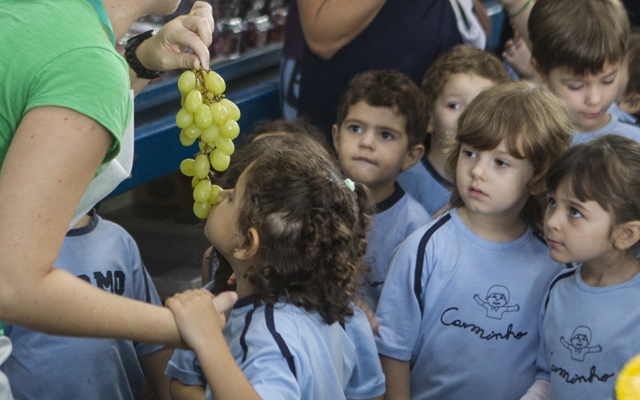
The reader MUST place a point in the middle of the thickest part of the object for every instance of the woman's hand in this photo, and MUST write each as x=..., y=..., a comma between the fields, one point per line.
x=167, y=50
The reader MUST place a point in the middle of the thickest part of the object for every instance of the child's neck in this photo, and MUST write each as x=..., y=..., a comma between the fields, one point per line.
x=382, y=192
x=617, y=268
x=494, y=228
x=437, y=157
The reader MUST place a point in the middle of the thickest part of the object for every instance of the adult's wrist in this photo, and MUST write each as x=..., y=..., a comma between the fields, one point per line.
x=515, y=8
x=134, y=51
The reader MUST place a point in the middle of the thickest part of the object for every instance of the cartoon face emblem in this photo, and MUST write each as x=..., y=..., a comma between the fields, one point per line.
x=495, y=302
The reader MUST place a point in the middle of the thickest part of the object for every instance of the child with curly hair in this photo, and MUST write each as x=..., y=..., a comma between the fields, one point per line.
x=294, y=233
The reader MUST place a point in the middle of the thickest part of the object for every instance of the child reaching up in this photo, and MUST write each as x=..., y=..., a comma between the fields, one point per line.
x=294, y=233
x=458, y=313
x=591, y=314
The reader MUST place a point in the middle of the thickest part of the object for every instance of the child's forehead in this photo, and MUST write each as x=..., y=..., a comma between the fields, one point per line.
x=568, y=72
x=376, y=115
x=465, y=83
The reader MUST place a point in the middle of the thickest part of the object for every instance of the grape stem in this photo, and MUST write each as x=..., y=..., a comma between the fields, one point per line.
x=200, y=78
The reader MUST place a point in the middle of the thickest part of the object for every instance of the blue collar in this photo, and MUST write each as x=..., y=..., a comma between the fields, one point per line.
x=102, y=14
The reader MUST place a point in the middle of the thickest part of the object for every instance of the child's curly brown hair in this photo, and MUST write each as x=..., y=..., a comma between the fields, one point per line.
x=312, y=228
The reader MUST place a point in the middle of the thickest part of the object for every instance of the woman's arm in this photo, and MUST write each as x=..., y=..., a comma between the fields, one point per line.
x=329, y=25
x=53, y=156
x=522, y=8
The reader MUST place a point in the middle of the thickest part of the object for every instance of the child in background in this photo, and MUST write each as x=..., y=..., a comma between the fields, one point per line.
x=458, y=313
x=591, y=315
x=283, y=273
x=627, y=105
x=59, y=367
x=449, y=85
x=379, y=132
x=577, y=50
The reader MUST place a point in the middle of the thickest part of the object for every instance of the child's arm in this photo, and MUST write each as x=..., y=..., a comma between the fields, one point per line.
x=153, y=366
x=200, y=325
x=538, y=391
x=180, y=391
x=397, y=376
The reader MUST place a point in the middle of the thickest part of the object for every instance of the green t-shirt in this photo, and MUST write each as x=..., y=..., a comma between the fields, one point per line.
x=56, y=53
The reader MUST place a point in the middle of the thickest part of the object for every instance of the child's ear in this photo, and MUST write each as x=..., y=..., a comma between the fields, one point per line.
x=335, y=134
x=414, y=155
x=250, y=248
x=626, y=235
x=538, y=74
x=631, y=104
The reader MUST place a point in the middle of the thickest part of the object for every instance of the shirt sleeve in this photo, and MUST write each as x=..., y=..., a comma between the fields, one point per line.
x=185, y=367
x=367, y=381
x=399, y=312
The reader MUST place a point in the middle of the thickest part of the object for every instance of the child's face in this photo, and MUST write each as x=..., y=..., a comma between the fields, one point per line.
x=455, y=96
x=576, y=231
x=623, y=79
x=588, y=96
x=493, y=182
x=372, y=145
x=222, y=223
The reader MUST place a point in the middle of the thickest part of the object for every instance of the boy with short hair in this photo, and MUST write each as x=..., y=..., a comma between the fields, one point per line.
x=577, y=49
x=451, y=82
x=379, y=132
x=627, y=105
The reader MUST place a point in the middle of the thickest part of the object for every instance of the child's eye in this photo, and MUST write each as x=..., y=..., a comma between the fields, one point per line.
x=551, y=201
x=386, y=135
x=354, y=128
x=453, y=106
x=575, y=213
x=574, y=87
x=608, y=82
x=501, y=163
x=468, y=153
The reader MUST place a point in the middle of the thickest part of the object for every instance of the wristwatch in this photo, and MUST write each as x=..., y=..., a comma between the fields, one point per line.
x=132, y=59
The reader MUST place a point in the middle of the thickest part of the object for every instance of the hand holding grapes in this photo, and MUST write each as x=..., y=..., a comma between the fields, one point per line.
x=166, y=50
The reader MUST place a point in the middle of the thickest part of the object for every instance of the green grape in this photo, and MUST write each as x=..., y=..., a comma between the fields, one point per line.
x=225, y=145
x=201, y=210
x=215, y=83
x=232, y=109
x=202, y=145
x=215, y=191
x=230, y=129
x=210, y=134
x=202, y=191
x=193, y=102
x=201, y=166
x=187, y=81
x=219, y=113
x=192, y=131
x=185, y=140
x=184, y=118
x=203, y=117
x=186, y=166
x=194, y=181
x=219, y=160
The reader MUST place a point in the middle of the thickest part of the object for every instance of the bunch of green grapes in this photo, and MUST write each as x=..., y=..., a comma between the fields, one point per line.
x=206, y=115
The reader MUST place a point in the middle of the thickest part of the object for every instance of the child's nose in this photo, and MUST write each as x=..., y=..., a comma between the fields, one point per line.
x=478, y=170
x=593, y=96
x=367, y=140
x=551, y=219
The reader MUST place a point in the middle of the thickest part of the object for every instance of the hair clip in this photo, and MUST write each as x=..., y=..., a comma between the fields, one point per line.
x=350, y=184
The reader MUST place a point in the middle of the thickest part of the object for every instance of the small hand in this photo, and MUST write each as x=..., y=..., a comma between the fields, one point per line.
x=517, y=54
x=167, y=49
x=198, y=313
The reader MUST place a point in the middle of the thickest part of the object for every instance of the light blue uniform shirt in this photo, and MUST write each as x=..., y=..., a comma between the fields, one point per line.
x=62, y=368
x=588, y=334
x=464, y=311
x=426, y=186
x=397, y=217
x=614, y=126
x=288, y=353
x=620, y=115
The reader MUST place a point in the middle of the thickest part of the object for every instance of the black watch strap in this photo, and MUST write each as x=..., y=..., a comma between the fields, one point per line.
x=132, y=59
